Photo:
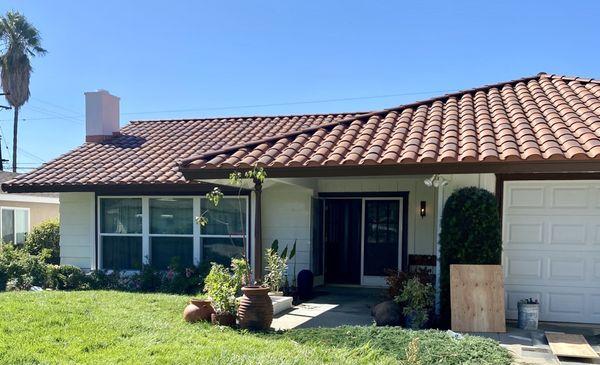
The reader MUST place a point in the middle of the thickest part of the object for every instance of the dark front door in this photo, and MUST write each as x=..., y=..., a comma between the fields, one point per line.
x=342, y=240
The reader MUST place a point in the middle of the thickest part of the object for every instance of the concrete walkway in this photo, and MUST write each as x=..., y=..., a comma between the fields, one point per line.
x=331, y=307
x=531, y=347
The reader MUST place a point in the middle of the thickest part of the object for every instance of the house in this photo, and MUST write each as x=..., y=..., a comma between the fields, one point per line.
x=360, y=192
x=19, y=213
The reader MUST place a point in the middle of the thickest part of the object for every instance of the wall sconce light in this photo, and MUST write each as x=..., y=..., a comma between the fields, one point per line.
x=423, y=210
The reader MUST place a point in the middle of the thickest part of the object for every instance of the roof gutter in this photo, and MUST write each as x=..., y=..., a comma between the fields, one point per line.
x=499, y=167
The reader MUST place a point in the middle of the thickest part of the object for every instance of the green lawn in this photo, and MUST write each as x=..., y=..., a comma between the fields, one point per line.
x=102, y=327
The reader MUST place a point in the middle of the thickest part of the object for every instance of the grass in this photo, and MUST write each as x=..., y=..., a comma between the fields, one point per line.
x=102, y=327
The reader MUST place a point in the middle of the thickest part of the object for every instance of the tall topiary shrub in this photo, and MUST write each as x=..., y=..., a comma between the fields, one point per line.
x=470, y=234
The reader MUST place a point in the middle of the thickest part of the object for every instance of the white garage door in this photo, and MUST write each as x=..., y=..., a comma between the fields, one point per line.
x=551, y=234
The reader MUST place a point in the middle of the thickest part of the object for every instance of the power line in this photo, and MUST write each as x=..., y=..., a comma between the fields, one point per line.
x=288, y=103
x=55, y=114
x=58, y=106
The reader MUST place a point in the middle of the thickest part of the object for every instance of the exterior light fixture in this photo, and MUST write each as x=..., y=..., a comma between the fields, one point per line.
x=423, y=210
x=436, y=181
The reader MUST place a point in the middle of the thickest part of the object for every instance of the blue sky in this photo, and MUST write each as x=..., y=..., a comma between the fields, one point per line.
x=171, y=59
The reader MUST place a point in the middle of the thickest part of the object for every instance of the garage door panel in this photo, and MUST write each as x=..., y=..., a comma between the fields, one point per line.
x=526, y=197
x=524, y=230
x=551, y=235
x=564, y=305
x=565, y=270
x=569, y=197
x=567, y=233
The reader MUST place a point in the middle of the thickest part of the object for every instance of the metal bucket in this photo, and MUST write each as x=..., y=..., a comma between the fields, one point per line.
x=529, y=315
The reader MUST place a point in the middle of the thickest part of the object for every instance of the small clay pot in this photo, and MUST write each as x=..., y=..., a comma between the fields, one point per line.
x=198, y=310
x=256, y=308
x=223, y=319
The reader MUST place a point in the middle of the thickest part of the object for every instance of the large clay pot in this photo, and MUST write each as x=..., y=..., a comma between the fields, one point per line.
x=256, y=308
x=223, y=319
x=198, y=310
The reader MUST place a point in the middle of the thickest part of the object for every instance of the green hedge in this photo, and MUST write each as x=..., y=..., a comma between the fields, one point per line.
x=44, y=240
x=20, y=270
x=470, y=234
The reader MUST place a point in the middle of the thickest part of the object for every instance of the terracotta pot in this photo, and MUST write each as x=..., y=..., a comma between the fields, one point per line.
x=198, y=310
x=256, y=308
x=223, y=319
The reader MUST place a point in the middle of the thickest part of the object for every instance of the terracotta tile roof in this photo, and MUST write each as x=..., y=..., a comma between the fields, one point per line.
x=146, y=152
x=544, y=117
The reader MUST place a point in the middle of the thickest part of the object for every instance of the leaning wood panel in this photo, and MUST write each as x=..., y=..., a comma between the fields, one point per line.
x=477, y=298
x=563, y=344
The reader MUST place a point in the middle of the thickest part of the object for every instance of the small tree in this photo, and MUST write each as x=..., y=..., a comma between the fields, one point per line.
x=470, y=234
x=44, y=240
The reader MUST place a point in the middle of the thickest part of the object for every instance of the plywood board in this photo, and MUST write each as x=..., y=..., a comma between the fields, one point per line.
x=564, y=344
x=477, y=298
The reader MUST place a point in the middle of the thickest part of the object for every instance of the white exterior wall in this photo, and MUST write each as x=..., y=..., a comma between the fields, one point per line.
x=77, y=229
x=286, y=216
x=455, y=182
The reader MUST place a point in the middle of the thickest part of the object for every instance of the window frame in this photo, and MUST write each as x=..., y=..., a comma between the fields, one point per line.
x=147, y=260
x=146, y=235
x=245, y=236
x=28, y=210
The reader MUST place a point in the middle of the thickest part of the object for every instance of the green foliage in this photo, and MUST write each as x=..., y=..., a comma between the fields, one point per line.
x=470, y=235
x=220, y=286
x=20, y=269
x=396, y=279
x=417, y=299
x=45, y=239
x=276, y=268
x=241, y=272
x=101, y=327
x=65, y=277
x=21, y=40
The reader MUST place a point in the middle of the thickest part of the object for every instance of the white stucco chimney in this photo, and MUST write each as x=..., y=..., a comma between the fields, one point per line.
x=101, y=115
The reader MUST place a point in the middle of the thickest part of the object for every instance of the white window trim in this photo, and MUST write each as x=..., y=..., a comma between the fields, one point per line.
x=14, y=231
x=245, y=236
x=146, y=235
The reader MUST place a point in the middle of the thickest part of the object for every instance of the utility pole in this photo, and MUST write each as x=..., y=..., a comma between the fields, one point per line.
x=2, y=160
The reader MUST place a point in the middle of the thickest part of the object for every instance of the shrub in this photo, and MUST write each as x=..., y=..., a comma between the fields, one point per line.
x=44, y=240
x=220, y=286
x=20, y=269
x=417, y=300
x=396, y=279
x=470, y=235
x=65, y=277
x=276, y=268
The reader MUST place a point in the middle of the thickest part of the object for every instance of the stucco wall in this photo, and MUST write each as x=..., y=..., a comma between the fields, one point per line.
x=38, y=212
x=286, y=216
x=77, y=229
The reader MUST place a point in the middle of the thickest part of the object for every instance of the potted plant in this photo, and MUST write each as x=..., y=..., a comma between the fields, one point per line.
x=417, y=299
x=528, y=314
x=255, y=309
x=220, y=287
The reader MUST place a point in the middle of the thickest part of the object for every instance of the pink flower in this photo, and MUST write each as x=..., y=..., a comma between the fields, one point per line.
x=170, y=274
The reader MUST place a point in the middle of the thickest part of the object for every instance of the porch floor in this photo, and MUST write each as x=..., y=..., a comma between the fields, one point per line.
x=332, y=306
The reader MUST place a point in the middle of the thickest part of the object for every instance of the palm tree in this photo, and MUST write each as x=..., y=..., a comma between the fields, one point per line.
x=21, y=40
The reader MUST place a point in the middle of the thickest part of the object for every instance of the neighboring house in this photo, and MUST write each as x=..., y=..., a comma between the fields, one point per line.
x=19, y=213
x=348, y=187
